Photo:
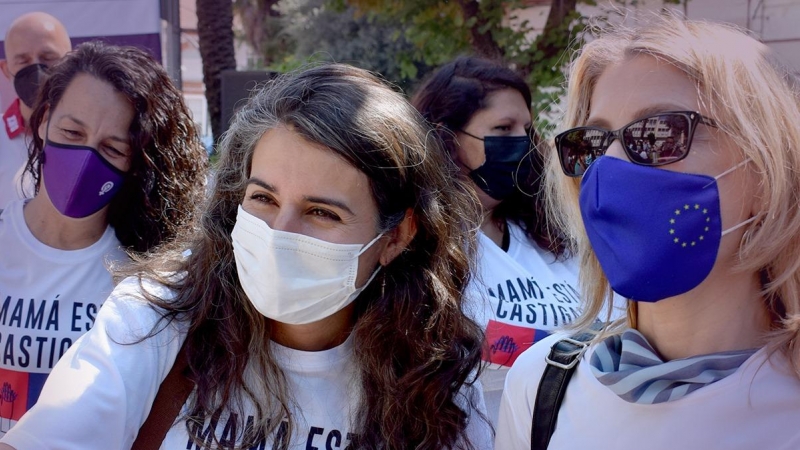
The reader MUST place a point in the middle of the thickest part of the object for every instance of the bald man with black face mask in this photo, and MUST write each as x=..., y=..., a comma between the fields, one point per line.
x=34, y=42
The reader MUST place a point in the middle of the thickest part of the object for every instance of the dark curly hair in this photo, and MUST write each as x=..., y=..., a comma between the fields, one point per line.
x=168, y=165
x=450, y=97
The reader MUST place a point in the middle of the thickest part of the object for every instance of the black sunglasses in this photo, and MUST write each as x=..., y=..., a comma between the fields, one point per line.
x=650, y=141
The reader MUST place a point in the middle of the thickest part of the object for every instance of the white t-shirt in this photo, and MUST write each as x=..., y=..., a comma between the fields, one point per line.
x=13, y=157
x=101, y=392
x=518, y=297
x=756, y=407
x=48, y=298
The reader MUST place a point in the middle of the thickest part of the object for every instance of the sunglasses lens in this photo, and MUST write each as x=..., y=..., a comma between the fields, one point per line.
x=657, y=140
x=578, y=148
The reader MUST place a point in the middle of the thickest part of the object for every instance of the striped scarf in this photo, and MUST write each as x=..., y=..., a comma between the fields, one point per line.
x=632, y=369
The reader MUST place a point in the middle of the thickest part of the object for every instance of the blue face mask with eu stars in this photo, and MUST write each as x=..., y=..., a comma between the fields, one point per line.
x=656, y=233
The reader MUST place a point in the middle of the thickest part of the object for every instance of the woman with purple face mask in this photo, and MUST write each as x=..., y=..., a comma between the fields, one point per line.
x=525, y=284
x=701, y=236
x=117, y=169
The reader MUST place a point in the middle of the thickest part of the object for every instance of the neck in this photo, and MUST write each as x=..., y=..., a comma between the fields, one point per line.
x=26, y=114
x=723, y=313
x=492, y=228
x=55, y=230
x=316, y=336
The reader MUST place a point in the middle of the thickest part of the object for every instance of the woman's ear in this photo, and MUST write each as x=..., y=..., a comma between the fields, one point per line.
x=4, y=69
x=399, y=238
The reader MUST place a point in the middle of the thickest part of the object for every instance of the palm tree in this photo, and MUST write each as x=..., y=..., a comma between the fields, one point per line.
x=215, y=33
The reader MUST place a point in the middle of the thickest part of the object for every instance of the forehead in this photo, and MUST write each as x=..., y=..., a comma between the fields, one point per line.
x=33, y=39
x=285, y=158
x=625, y=90
x=97, y=104
x=505, y=103
x=504, y=100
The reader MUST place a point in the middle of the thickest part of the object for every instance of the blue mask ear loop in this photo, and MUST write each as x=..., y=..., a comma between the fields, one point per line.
x=750, y=220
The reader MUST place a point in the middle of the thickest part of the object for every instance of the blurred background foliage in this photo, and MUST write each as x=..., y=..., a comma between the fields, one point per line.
x=406, y=40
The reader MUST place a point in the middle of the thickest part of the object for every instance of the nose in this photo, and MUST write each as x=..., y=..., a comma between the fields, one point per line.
x=284, y=220
x=616, y=150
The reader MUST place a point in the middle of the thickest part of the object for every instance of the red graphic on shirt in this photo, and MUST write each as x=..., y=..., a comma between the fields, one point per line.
x=505, y=342
x=13, y=394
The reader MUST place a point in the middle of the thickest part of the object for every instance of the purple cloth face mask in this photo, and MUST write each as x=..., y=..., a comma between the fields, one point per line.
x=79, y=180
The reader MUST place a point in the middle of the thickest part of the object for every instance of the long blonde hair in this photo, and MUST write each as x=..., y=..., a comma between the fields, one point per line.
x=756, y=102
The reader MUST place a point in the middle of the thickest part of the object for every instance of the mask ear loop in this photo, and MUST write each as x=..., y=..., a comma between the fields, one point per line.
x=750, y=220
x=370, y=243
x=747, y=160
x=736, y=227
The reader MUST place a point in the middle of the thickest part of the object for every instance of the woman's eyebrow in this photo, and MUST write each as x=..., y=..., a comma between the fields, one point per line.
x=262, y=184
x=79, y=122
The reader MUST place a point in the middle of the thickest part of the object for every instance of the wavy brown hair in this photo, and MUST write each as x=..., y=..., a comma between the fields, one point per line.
x=450, y=97
x=168, y=164
x=415, y=349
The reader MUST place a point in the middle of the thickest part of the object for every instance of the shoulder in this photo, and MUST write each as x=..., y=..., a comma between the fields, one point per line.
x=128, y=310
x=527, y=370
x=519, y=396
x=478, y=431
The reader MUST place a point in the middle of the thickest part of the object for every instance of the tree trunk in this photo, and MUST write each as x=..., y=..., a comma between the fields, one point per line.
x=561, y=12
x=483, y=43
x=215, y=33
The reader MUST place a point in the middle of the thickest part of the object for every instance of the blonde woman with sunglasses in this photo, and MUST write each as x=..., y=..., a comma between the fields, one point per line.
x=701, y=235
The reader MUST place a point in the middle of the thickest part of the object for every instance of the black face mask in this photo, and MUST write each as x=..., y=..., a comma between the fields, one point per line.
x=508, y=163
x=27, y=82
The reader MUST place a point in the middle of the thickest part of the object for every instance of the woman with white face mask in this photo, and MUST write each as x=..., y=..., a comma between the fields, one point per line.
x=319, y=305
x=701, y=235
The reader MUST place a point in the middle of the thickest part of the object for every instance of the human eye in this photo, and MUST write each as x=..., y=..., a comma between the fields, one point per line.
x=261, y=197
x=113, y=152
x=503, y=128
x=71, y=134
x=49, y=60
x=324, y=214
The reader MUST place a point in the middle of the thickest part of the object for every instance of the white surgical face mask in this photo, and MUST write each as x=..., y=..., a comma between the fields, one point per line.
x=293, y=278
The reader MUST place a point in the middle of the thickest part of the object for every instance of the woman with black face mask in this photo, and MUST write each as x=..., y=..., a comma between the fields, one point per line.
x=525, y=284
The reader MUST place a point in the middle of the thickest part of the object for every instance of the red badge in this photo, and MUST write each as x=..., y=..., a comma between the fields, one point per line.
x=13, y=121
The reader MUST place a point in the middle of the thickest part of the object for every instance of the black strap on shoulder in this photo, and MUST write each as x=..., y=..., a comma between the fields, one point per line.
x=564, y=356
